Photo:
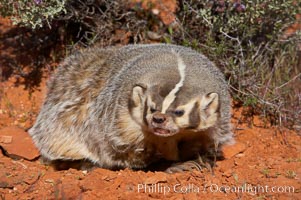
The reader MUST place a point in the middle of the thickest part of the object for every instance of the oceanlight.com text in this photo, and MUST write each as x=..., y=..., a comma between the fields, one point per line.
x=213, y=188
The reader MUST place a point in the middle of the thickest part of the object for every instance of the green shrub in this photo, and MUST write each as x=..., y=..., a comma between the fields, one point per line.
x=247, y=41
x=32, y=13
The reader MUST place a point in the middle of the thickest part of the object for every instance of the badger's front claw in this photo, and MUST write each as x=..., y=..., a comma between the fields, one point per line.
x=185, y=166
x=192, y=165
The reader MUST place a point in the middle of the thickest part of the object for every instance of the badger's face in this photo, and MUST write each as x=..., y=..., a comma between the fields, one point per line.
x=165, y=112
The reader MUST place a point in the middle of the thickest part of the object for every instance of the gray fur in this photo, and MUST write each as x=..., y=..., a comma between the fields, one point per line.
x=90, y=93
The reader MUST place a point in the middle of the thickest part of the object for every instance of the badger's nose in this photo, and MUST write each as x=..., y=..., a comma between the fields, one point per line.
x=159, y=118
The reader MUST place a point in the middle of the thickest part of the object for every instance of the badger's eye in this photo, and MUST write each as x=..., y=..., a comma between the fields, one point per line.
x=152, y=110
x=179, y=113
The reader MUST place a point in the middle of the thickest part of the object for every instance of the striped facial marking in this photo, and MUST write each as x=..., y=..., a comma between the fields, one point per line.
x=190, y=115
x=169, y=99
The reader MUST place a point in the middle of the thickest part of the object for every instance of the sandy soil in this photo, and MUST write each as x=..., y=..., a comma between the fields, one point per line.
x=265, y=163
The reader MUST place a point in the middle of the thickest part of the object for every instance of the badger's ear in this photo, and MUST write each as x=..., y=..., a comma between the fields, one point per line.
x=137, y=103
x=138, y=94
x=209, y=103
x=209, y=106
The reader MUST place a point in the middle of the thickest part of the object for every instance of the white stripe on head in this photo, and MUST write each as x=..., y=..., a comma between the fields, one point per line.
x=172, y=94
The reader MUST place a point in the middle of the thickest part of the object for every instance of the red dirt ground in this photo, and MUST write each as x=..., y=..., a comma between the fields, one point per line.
x=264, y=164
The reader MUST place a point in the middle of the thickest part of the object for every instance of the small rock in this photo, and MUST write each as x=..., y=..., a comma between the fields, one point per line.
x=49, y=181
x=240, y=155
x=18, y=143
x=158, y=178
x=232, y=150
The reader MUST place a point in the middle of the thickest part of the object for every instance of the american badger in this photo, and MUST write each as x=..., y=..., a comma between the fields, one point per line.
x=129, y=107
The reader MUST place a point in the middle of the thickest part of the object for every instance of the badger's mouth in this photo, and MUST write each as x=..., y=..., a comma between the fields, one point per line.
x=161, y=125
x=163, y=132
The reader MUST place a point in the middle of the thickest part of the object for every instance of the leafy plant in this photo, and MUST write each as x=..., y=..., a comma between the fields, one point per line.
x=32, y=13
x=247, y=40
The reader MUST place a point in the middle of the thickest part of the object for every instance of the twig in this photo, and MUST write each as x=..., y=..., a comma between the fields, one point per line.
x=239, y=44
x=284, y=84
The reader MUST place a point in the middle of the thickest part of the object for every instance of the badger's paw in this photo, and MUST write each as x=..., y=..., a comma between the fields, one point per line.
x=192, y=165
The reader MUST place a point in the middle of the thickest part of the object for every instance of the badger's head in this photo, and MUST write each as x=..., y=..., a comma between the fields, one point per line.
x=174, y=95
x=164, y=111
